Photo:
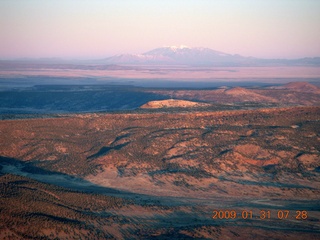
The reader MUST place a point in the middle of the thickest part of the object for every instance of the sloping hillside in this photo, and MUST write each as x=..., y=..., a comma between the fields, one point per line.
x=173, y=103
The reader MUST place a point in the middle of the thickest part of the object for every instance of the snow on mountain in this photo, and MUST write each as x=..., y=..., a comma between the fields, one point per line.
x=187, y=55
x=184, y=55
x=176, y=55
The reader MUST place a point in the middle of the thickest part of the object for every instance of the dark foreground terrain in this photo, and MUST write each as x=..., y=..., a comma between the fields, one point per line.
x=163, y=175
x=44, y=96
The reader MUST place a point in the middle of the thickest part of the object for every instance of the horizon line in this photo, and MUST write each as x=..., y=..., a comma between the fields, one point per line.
x=182, y=46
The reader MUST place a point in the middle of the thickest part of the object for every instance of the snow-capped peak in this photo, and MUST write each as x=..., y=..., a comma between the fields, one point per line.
x=174, y=48
x=181, y=55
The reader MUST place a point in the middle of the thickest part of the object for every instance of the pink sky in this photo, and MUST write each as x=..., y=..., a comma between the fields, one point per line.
x=98, y=29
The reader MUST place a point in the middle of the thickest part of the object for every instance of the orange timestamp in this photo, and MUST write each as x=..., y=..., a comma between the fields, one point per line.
x=262, y=214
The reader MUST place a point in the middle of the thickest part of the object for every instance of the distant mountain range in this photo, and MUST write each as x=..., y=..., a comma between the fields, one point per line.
x=184, y=55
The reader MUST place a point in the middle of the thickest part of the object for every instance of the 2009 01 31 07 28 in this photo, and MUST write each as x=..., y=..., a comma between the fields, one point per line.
x=262, y=214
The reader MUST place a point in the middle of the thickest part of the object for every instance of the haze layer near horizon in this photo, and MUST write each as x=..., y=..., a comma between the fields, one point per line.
x=96, y=29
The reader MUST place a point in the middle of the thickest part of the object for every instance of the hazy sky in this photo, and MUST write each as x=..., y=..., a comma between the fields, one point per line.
x=101, y=28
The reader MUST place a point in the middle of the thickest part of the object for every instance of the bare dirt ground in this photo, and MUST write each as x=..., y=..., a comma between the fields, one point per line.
x=163, y=175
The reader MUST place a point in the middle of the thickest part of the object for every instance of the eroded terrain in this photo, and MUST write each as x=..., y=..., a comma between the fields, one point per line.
x=160, y=174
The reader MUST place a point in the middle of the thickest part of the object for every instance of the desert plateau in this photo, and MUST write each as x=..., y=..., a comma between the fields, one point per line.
x=159, y=120
x=163, y=166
